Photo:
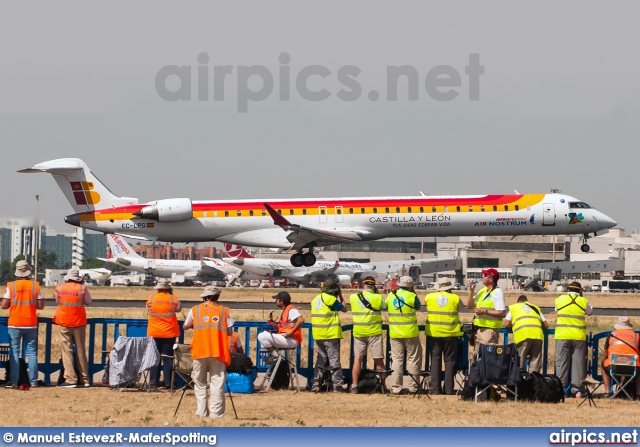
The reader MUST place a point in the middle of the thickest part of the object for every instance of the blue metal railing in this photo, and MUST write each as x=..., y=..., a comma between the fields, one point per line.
x=98, y=347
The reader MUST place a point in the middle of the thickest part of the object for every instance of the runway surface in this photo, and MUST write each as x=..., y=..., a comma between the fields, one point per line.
x=252, y=305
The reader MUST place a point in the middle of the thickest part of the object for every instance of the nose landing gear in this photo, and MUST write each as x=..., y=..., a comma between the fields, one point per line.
x=585, y=247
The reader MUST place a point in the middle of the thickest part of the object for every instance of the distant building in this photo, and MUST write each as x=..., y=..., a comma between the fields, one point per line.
x=18, y=237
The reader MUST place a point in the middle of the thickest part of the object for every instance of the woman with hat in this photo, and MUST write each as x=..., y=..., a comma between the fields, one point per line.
x=163, y=327
x=23, y=298
x=622, y=341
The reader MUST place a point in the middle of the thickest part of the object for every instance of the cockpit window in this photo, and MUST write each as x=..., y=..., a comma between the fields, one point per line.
x=580, y=205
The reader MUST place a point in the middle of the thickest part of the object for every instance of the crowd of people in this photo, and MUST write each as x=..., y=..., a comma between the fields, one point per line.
x=214, y=338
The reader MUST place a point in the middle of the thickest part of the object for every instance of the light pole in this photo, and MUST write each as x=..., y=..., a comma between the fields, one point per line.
x=37, y=242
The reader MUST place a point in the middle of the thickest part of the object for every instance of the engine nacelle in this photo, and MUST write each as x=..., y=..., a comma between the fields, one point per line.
x=168, y=210
x=343, y=280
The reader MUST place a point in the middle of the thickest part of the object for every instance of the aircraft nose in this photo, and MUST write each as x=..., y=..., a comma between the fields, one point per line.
x=606, y=220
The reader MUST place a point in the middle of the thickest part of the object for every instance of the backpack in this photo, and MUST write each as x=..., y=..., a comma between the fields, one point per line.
x=240, y=363
x=23, y=378
x=368, y=382
x=543, y=388
x=281, y=376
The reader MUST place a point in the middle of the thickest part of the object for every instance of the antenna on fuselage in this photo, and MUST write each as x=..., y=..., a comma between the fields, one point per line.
x=422, y=194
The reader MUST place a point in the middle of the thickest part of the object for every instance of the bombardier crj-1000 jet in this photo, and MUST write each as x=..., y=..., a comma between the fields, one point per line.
x=303, y=224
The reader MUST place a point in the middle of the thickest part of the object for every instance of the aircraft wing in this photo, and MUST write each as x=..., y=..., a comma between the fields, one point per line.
x=120, y=261
x=301, y=236
x=208, y=268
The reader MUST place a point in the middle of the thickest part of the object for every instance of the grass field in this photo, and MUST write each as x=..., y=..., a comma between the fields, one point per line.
x=100, y=406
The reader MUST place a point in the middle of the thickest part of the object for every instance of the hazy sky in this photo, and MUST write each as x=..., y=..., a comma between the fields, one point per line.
x=558, y=101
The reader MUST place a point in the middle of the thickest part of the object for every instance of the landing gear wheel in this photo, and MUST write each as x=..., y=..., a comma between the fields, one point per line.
x=585, y=248
x=308, y=259
x=296, y=260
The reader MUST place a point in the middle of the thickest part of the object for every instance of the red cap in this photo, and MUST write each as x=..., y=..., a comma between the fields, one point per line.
x=494, y=274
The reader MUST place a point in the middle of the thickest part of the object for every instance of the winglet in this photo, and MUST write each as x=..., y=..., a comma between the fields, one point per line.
x=277, y=218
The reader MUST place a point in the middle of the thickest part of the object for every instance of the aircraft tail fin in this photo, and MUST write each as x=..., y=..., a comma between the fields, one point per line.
x=82, y=189
x=236, y=251
x=120, y=248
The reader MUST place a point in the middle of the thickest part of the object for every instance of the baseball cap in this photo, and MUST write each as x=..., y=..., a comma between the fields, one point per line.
x=284, y=296
x=493, y=273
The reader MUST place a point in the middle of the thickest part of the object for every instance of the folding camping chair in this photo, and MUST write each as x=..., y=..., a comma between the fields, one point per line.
x=181, y=366
x=130, y=361
x=623, y=370
x=495, y=365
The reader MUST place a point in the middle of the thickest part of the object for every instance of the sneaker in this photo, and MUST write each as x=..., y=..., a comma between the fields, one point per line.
x=353, y=389
x=341, y=390
x=86, y=385
x=11, y=386
x=402, y=392
x=35, y=385
x=271, y=360
x=606, y=396
x=315, y=389
x=578, y=395
x=67, y=385
x=153, y=387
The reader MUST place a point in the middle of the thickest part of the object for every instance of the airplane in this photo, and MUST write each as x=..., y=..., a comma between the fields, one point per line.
x=124, y=255
x=97, y=276
x=343, y=272
x=311, y=223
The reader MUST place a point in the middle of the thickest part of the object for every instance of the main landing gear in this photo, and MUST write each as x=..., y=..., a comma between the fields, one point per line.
x=585, y=247
x=300, y=259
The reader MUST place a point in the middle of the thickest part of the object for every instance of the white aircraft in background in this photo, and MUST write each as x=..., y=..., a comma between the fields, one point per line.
x=97, y=276
x=343, y=272
x=311, y=223
x=124, y=255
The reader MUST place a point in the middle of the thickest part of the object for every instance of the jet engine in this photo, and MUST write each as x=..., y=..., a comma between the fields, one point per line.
x=168, y=210
x=343, y=280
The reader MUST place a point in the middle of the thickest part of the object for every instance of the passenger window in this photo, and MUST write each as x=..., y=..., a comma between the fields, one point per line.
x=304, y=211
x=422, y=209
x=226, y=214
x=457, y=209
x=250, y=212
x=470, y=209
x=280, y=212
x=398, y=209
x=264, y=212
x=482, y=208
x=239, y=213
x=433, y=209
x=338, y=211
x=350, y=210
x=361, y=210
x=517, y=207
x=375, y=210
x=446, y=209
x=386, y=210
x=322, y=210
x=291, y=212
x=506, y=207
x=495, y=208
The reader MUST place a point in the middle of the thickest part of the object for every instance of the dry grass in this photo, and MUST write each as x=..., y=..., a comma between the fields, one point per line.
x=104, y=407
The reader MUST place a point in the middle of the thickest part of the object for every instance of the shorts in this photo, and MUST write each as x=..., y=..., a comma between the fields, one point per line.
x=374, y=343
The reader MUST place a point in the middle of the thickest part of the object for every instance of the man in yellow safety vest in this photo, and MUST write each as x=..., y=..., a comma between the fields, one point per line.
x=527, y=323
